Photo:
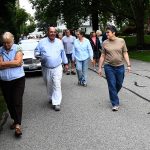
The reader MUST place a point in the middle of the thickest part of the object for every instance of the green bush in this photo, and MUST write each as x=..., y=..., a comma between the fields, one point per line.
x=147, y=39
x=140, y=55
x=131, y=40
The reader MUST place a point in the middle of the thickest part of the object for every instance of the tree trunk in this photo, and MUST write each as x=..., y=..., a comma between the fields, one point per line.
x=94, y=15
x=140, y=24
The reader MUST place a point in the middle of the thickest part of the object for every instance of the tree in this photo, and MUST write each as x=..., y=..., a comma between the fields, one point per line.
x=72, y=13
x=13, y=18
x=47, y=12
x=7, y=16
x=24, y=22
x=100, y=11
x=133, y=11
x=21, y=18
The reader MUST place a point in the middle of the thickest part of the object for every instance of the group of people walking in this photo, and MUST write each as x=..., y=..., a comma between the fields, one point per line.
x=54, y=52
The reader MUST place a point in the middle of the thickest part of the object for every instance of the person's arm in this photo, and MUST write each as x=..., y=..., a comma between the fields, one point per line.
x=14, y=63
x=101, y=62
x=37, y=53
x=73, y=51
x=64, y=60
x=63, y=56
x=126, y=57
x=90, y=51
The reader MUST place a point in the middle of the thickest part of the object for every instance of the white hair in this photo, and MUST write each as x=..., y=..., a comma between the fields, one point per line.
x=8, y=36
x=98, y=32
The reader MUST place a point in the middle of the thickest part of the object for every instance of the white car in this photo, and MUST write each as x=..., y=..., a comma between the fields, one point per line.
x=30, y=63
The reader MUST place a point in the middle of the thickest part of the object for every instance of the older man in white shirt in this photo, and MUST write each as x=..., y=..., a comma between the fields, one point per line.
x=52, y=54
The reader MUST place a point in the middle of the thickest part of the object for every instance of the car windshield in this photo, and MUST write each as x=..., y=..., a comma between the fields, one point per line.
x=28, y=46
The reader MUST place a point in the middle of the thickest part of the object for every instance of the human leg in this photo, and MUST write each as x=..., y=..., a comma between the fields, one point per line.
x=69, y=61
x=85, y=70
x=79, y=70
x=56, y=79
x=18, y=91
x=48, y=81
x=94, y=63
x=72, y=65
x=6, y=87
x=111, y=81
x=17, y=98
x=119, y=77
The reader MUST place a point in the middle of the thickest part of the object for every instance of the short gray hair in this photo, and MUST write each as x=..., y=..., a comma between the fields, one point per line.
x=99, y=32
x=8, y=35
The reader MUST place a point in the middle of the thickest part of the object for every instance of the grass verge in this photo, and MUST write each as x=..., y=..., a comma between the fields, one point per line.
x=140, y=55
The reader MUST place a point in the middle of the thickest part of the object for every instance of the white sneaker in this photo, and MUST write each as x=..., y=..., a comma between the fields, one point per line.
x=115, y=108
x=95, y=69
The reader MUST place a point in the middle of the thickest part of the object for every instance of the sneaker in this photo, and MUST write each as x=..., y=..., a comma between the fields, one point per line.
x=73, y=72
x=95, y=69
x=84, y=84
x=115, y=108
x=68, y=73
x=57, y=108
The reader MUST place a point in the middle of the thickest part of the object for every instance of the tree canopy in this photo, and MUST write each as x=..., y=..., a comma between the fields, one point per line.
x=13, y=19
x=74, y=12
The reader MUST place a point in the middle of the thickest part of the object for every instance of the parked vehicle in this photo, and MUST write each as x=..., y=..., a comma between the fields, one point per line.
x=30, y=63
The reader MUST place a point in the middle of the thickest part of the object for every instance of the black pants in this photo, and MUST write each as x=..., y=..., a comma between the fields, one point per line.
x=13, y=95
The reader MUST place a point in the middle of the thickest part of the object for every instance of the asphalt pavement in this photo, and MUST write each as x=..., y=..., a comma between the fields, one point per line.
x=86, y=121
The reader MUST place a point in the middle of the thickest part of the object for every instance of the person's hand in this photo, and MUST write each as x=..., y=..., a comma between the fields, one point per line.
x=128, y=69
x=92, y=61
x=38, y=57
x=100, y=71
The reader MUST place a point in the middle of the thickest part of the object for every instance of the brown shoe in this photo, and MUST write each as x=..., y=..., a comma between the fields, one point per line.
x=68, y=73
x=18, y=132
x=73, y=72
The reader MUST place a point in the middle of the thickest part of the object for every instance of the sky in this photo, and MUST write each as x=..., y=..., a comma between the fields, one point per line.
x=27, y=6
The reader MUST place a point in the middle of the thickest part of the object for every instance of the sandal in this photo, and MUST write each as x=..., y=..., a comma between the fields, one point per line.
x=18, y=132
x=12, y=126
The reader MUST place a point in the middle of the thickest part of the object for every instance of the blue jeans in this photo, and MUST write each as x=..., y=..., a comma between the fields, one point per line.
x=82, y=69
x=115, y=77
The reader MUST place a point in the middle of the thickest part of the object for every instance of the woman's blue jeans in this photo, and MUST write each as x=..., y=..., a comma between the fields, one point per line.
x=115, y=77
x=82, y=70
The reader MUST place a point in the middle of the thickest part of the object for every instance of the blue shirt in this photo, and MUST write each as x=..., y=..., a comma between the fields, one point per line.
x=52, y=52
x=82, y=50
x=68, y=42
x=14, y=72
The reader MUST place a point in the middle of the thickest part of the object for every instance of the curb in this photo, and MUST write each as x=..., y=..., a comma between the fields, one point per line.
x=3, y=120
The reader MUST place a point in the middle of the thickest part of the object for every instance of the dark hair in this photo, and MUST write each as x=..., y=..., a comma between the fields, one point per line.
x=81, y=32
x=111, y=28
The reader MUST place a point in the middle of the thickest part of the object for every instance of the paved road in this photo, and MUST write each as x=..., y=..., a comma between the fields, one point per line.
x=85, y=121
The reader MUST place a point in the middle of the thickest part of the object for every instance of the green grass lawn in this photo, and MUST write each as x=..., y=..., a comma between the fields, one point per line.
x=131, y=40
x=140, y=55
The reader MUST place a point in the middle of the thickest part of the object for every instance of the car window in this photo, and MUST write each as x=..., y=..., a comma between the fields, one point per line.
x=28, y=46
